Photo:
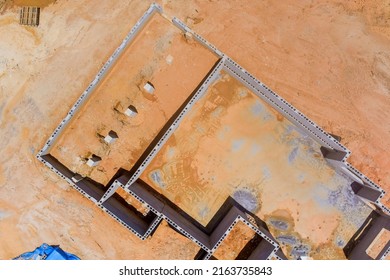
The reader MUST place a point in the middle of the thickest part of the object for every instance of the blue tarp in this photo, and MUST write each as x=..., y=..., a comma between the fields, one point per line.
x=47, y=252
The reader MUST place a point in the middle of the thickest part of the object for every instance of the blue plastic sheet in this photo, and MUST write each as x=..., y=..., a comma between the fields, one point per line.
x=47, y=252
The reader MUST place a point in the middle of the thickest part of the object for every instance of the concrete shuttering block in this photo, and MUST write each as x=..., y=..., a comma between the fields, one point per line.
x=189, y=37
x=366, y=192
x=93, y=160
x=149, y=88
x=111, y=137
x=131, y=111
x=77, y=178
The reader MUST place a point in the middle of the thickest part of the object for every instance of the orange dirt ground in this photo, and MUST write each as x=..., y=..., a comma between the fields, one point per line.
x=144, y=60
x=256, y=153
x=328, y=58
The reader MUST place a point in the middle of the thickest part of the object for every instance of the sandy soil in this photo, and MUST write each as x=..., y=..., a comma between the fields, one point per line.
x=234, y=144
x=160, y=55
x=329, y=59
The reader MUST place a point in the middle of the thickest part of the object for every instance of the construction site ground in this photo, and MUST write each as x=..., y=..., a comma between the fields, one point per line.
x=329, y=59
x=234, y=144
x=161, y=56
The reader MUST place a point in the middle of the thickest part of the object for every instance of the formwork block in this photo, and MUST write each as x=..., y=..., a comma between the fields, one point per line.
x=77, y=178
x=365, y=192
x=93, y=160
x=189, y=37
x=111, y=137
x=131, y=111
x=149, y=88
x=333, y=155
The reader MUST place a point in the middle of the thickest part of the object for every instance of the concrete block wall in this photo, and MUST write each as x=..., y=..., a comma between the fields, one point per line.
x=209, y=242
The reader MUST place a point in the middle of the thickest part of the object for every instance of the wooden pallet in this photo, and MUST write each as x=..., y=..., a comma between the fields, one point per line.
x=29, y=16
